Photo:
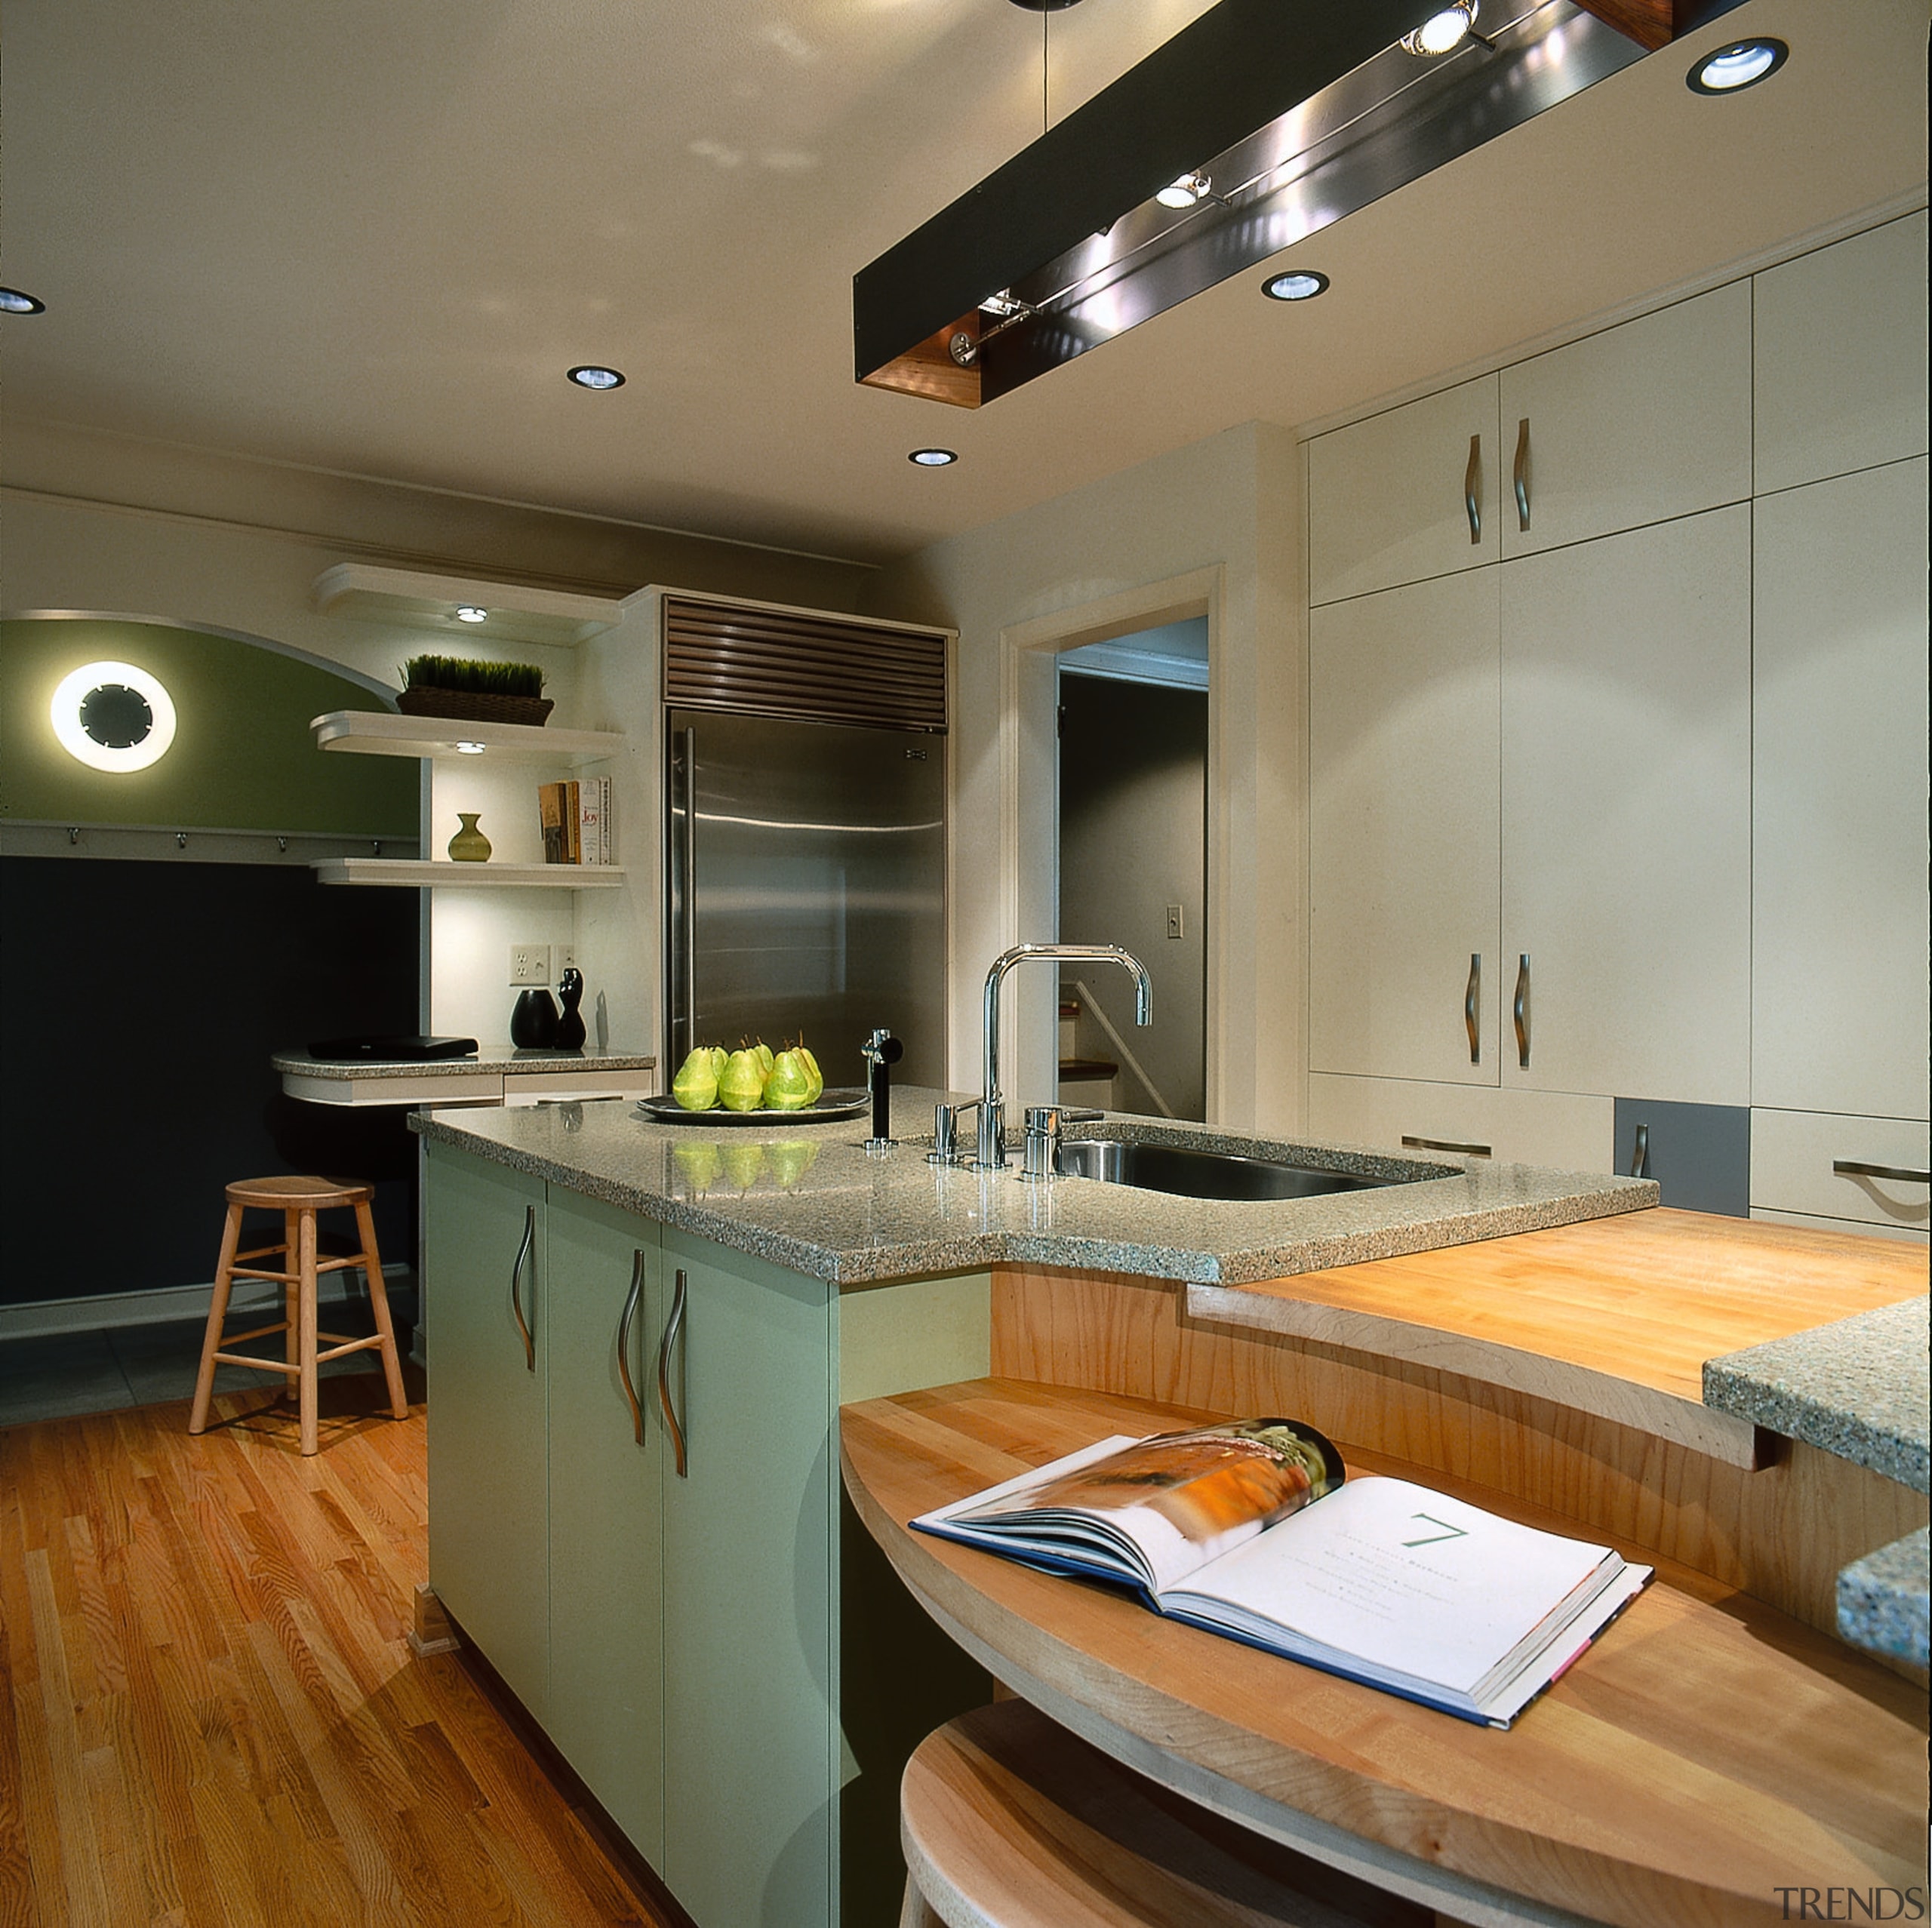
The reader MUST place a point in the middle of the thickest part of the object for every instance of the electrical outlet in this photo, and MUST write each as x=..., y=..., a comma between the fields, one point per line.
x=1174, y=920
x=566, y=959
x=529, y=964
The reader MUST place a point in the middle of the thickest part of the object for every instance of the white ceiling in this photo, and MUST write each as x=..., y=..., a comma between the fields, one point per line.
x=370, y=235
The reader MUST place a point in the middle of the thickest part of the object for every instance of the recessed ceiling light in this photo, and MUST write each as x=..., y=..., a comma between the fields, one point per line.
x=1443, y=32
x=465, y=747
x=591, y=377
x=469, y=612
x=1295, y=284
x=933, y=458
x=1743, y=63
x=1184, y=192
x=13, y=302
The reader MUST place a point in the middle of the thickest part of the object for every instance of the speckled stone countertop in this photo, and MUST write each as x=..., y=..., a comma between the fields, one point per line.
x=825, y=1207
x=500, y=1058
x=1858, y=1388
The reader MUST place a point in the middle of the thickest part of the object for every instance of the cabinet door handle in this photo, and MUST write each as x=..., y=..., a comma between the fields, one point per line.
x=1520, y=1010
x=1471, y=1015
x=1858, y=1168
x=666, y=1405
x=684, y=1016
x=628, y=1313
x=1640, y=1153
x=1473, y=489
x=1522, y=473
x=523, y=1252
x=1445, y=1144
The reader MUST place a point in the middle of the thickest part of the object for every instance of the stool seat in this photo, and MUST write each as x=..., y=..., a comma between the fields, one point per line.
x=298, y=1198
x=1008, y=1821
x=292, y=1193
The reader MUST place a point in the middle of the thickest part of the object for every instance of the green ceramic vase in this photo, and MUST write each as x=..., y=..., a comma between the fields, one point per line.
x=470, y=845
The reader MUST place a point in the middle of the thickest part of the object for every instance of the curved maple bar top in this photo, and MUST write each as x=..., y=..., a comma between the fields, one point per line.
x=1706, y=1753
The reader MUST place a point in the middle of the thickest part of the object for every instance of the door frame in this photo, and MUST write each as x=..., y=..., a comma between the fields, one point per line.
x=1029, y=792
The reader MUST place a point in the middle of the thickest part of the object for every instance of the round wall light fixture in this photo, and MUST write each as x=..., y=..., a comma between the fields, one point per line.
x=1743, y=63
x=589, y=375
x=933, y=458
x=113, y=716
x=1295, y=284
x=16, y=301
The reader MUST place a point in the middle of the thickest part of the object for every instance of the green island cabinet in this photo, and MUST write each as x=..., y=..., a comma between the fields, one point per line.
x=691, y=1613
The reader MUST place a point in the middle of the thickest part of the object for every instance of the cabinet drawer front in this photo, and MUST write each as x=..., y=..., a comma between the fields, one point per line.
x=1388, y=498
x=1645, y=422
x=1568, y=1131
x=1793, y=1155
x=1839, y=348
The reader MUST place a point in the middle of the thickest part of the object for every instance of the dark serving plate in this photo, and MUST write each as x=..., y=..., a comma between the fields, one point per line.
x=834, y=1101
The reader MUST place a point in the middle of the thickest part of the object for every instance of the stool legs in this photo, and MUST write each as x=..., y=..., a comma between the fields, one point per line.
x=378, y=1302
x=291, y=1305
x=918, y=1912
x=307, y=1354
x=231, y=1237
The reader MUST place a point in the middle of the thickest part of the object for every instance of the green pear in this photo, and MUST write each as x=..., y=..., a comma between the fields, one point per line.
x=695, y=1087
x=720, y=1058
x=790, y=1087
x=699, y=1163
x=817, y=1076
x=762, y=1052
x=741, y=1088
x=792, y=1160
x=742, y=1165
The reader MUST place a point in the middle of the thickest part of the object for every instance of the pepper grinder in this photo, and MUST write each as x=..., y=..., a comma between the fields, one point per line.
x=881, y=1051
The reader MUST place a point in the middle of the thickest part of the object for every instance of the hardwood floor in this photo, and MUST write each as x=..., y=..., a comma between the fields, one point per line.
x=210, y=1715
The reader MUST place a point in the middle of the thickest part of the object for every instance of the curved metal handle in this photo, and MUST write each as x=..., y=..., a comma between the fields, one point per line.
x=665, y=1403
x=523, y=1252
x=1858, y=1168
x=624, y=1345
x=688, y=902
x=1446, y=1144
x=1472, y=1015
x=1640, y=1153
x=1520, y=1010
x=1473, y=489
x=1522, y=473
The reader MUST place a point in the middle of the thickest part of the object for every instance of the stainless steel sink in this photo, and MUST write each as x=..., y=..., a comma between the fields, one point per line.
x=1188, y=1173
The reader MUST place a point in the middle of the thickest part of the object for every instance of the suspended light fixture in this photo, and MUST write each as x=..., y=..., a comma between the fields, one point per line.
x=1298, y=112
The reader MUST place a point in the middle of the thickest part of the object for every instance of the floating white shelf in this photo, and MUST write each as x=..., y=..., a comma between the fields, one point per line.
x=515, y=613
x=375, y=732
x=417, y=872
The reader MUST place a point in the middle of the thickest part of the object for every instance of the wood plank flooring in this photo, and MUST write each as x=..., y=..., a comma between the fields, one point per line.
x=210, y=1716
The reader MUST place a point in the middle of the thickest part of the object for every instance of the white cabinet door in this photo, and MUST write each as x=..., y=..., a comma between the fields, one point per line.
x=1646, y=421
x=1840, y=353
x=1839, y=985
x=1626, y=812
x=1407, y=494
x=1403, y=833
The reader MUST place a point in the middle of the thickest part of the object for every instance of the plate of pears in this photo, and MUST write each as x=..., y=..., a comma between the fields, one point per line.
x=752, y=1085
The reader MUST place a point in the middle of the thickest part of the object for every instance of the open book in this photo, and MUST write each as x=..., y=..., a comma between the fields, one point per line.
x=1248, y=1529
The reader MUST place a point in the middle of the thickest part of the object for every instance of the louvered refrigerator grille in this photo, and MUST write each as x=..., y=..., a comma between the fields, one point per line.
x=819, y=668
x=805, y=821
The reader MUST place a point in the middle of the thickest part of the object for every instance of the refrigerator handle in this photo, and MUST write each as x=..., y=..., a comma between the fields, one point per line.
x=685, y=1016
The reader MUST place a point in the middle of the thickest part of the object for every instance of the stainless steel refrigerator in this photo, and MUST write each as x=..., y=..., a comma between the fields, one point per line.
x=806, y=868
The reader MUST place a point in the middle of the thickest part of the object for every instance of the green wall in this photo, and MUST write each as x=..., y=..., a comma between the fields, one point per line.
x=242, y=758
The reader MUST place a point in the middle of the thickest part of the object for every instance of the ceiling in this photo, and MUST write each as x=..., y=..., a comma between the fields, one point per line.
x=369, y=238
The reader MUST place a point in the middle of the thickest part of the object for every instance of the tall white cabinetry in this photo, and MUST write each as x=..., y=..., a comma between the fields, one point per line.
x=1549, y=866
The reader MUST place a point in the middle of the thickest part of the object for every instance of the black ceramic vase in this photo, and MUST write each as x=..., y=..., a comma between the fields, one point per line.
x=534, y=1022
x=570, y=1025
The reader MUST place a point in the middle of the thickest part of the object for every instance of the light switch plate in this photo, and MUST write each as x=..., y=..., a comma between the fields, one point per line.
x=529, y=964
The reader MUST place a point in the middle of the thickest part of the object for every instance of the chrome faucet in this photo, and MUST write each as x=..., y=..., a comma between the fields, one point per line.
x=991, y=1105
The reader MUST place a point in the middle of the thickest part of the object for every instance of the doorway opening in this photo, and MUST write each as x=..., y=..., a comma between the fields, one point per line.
x=1132, y=867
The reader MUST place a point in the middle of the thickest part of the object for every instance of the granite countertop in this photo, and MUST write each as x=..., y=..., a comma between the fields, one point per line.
x=496, y=1057
x=1858, y=1388
x=832, y=1210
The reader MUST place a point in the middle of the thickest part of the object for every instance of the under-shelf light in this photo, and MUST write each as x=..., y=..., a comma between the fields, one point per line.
x=1743, y=63
x=470, y=612
x=465, y=747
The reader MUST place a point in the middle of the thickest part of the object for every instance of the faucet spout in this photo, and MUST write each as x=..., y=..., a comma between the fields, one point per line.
x=992, y=1122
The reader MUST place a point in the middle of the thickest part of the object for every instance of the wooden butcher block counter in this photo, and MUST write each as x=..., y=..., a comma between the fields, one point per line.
x=1716, y=1752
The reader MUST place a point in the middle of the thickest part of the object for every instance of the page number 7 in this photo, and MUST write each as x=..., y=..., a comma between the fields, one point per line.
x=1429, y=1539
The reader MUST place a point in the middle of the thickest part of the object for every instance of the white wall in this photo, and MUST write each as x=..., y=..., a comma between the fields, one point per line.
x=1229, y=506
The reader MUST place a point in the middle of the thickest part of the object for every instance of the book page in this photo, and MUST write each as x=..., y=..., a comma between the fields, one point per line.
x=1404, y=1578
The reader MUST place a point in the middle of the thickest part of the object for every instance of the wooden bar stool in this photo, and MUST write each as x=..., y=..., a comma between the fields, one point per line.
x=298, y=1200
x=1008, y=1821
